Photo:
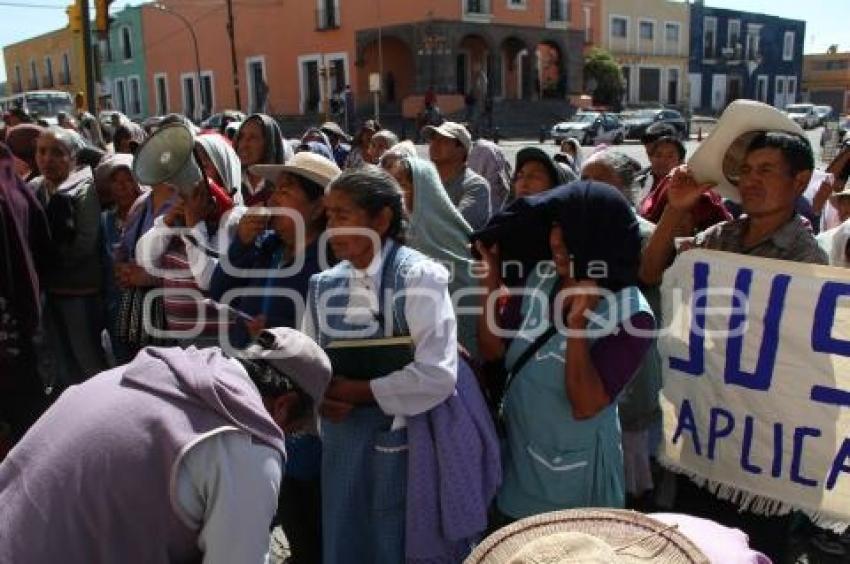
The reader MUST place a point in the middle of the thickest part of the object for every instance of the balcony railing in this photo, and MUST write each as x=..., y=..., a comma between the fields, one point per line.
x=327, y=18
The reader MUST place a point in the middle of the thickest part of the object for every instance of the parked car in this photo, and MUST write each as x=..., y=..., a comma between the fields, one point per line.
x=803, y=114
x=214, y=121
x=590, y=128
x=824, y=113
x=636, y=121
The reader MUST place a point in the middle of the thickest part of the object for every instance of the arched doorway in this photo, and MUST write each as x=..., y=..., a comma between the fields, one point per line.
x=551, y=78
x=399, y=70
x=472, y=69
x=514, y=58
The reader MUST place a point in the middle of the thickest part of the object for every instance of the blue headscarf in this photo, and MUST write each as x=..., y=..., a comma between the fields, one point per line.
x=597, y=222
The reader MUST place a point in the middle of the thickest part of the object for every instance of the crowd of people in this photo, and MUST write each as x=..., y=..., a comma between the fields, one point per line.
x=128, y=312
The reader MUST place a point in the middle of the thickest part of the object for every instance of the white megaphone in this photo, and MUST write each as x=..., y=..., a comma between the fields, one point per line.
x=167, y=157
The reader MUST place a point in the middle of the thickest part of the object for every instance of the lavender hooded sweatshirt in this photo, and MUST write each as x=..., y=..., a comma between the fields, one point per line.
x=95, y=478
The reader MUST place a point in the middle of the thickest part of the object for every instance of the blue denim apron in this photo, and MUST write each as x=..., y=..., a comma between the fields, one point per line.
x=552, y=460
x=364, y=463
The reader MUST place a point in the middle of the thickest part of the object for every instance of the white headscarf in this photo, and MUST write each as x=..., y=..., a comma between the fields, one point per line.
x=225, y=160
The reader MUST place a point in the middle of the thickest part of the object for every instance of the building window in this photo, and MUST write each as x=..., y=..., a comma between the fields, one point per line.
x=327, y=14
x=672, y=86
x=161, y=83
x=709, y=38
x=33, y=76
x=48, y=72
x=189, y=104
x=733, y=33
x=761, y=88
x=19, y=82
x=588, y=28
x=207, y=90
x=647, y=31
x=558, y=11
x=788, y=46
x=619, y=27
x=126, y=43
x=121, y=95
x=792, y=89
x=517, y=4
x=135, y=96
x=753, y=42
x=258, y=90
x=66, y=69
x=671, y=33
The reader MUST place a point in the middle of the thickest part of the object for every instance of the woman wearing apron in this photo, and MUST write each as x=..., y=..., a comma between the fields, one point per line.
x=381, y=288
x=582, y=332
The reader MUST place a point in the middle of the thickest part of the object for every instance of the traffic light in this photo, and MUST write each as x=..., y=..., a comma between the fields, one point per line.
x=101, y=17
x=75, y=17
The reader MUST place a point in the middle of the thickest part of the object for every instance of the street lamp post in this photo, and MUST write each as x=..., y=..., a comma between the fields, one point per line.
x=167, y=10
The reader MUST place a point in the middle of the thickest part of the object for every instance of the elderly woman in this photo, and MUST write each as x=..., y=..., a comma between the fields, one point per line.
x=380, y=143
x=360, y=144
x=128, y=138
x=220, y=162
x=74, y=282
x=537, y=172
x=114, y=175
x=375, y=292
x=565, y=371
x=259, y=141
x=438, y=231
x=488, y=159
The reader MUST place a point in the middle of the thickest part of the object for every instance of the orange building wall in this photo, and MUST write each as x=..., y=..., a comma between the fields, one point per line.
x=283, y=32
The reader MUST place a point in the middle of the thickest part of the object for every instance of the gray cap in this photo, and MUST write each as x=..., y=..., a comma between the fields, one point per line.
x=295, y=356
x=452, y=130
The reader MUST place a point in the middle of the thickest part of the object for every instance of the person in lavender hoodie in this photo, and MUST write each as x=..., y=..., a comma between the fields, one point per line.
x=174, y=457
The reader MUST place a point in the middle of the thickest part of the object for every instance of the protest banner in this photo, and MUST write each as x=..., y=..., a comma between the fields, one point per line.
x=756, y=396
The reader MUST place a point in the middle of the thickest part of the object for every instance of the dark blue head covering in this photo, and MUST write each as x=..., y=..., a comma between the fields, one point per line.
x=598, y=224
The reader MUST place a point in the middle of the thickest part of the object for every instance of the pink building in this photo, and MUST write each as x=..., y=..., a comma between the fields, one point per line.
x=292, y=56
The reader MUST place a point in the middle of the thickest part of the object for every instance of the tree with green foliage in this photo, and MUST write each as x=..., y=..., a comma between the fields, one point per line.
x=603, y=77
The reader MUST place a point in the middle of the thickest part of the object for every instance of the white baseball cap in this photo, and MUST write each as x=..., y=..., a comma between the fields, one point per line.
x=452, y=130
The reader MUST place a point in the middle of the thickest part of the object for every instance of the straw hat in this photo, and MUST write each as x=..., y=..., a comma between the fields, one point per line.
x=718, y=158
x=614, y=536
x=311, y=166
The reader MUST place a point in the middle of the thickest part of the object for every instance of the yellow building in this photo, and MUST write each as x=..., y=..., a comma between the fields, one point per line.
x=51, y=61
x=826, y=80
x=650, y=39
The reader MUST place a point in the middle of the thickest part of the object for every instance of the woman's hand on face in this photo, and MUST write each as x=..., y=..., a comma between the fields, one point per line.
x=252, y=224
x=492, y=261
x=582, y=298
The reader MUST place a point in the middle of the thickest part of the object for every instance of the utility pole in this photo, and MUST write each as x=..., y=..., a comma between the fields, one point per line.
x=88, y=67
x=231, y=32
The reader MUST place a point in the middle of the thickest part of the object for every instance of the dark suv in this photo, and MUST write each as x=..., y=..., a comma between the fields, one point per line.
x=636, y=121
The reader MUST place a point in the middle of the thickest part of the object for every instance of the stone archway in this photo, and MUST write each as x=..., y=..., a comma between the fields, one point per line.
x=550, y=71
x=472, y=66
x=514, y=67
x=399, y=69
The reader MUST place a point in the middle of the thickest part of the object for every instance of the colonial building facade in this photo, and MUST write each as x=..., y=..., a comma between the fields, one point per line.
x=738, y=54
x=826, y=80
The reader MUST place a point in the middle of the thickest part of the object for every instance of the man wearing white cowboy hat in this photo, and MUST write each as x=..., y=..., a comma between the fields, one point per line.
x=756, y=156
x=449, y=147
x=174, y=457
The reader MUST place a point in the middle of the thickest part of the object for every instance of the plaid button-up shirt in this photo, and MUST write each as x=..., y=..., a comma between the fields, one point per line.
x=793, y=241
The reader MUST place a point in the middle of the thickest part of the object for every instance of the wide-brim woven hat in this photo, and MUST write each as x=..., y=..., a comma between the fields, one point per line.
x=719, y=157
x=633, y=537
x=311, y=166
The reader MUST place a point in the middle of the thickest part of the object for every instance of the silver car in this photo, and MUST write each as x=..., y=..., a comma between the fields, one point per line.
x=590, y=128
x=803, y=114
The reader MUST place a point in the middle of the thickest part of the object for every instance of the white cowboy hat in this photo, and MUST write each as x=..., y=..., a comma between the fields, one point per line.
x=309, y=165
x=612, y=536
x=717, y=159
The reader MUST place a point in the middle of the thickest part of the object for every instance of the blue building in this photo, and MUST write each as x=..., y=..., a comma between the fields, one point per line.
x=738, y=54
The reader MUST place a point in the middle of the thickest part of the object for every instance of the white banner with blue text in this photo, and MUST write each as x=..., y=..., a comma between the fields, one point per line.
x=756, y=396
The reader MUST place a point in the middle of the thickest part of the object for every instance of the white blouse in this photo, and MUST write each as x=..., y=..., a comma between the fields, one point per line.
x=431, y=377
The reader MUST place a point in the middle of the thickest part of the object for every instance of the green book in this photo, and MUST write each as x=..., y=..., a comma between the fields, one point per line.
x=368, y=359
